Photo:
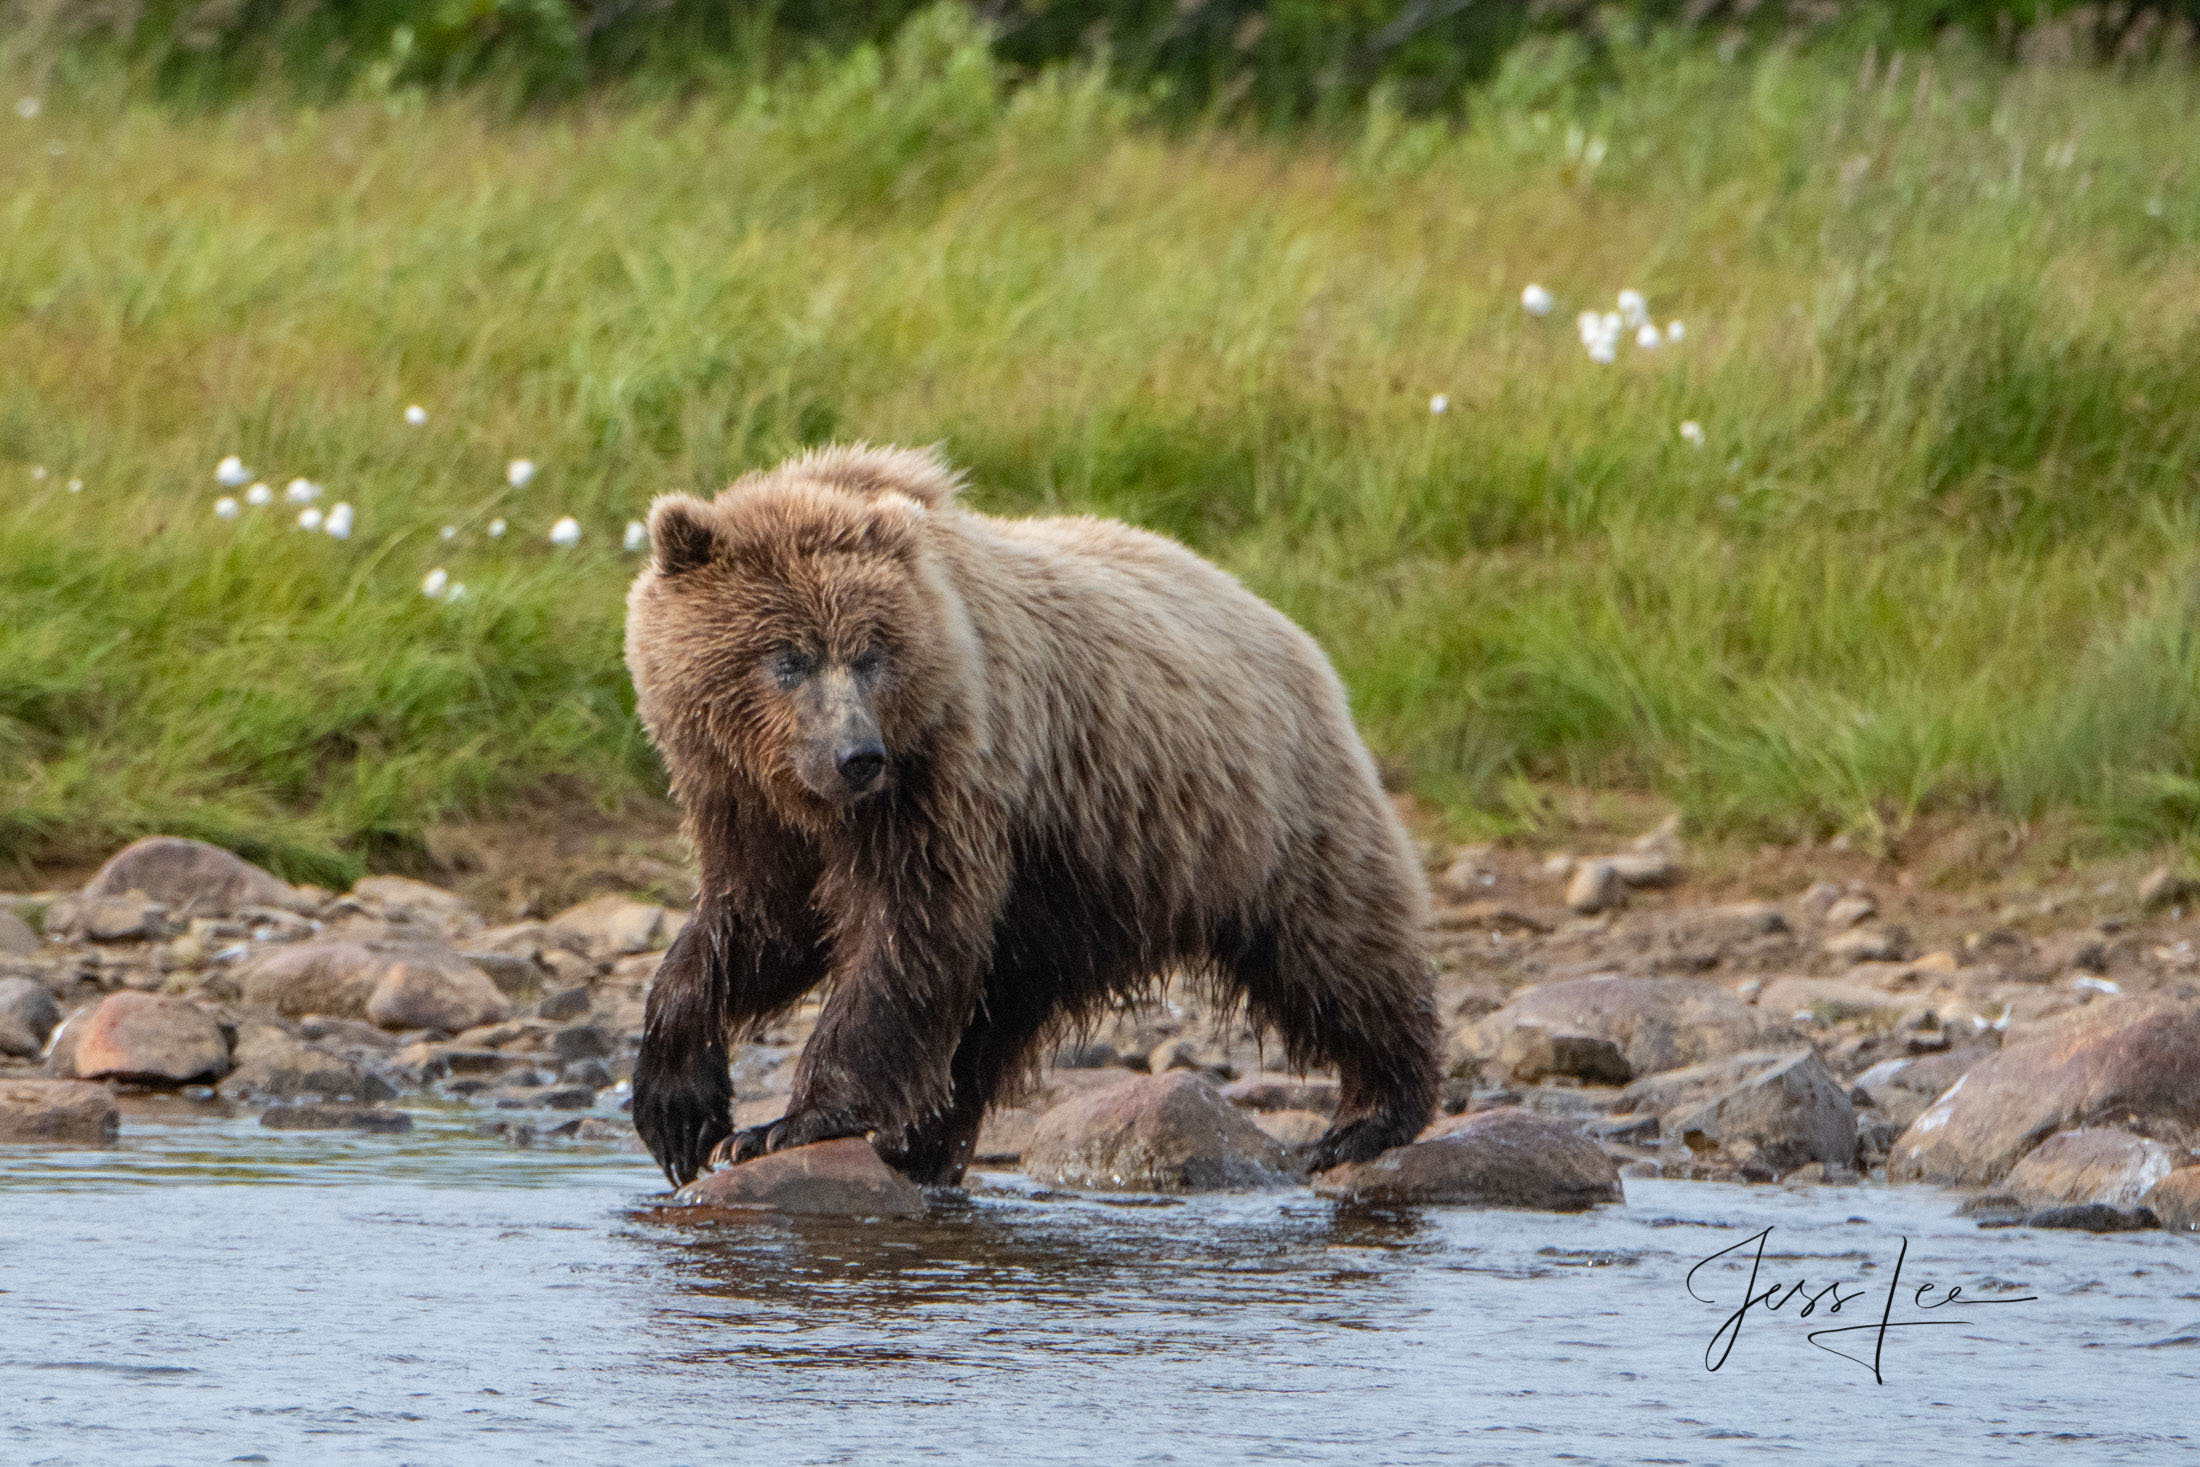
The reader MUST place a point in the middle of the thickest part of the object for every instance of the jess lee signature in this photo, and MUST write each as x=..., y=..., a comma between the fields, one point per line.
x=1827, y=1300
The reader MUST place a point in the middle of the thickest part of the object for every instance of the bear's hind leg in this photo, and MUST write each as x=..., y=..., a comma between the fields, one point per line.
x=993, y=1049
x=1347, y=986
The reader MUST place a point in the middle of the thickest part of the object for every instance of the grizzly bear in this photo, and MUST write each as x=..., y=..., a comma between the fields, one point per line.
x=979, y=777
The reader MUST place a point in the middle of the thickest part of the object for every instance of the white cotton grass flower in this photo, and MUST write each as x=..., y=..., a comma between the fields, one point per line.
x=518, y=472
x=1648, y=338
x=416, y=415
x=258, y=495
x=38, y=472
x=1537, y=301
x=301, y=491
x=637, y=536
x=456, y=593
x=338, y=523
x=438, y=581
x=231, y=473
x=567, y=531
x=225, y=508
x=27, y=107
x=497, y=529
x=1633, y=309
x=1675, y=331
x=1692, y=433
x=448, y=532
x=1603, y=351
x=1590, y=325
x=309, y=519
x=1439, y=404
x=76, y=486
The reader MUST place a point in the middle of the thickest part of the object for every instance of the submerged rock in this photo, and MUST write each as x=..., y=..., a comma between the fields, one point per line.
x=843, y=1178
x=1495, y=1158
x=2132, y=1062
x=1157, y=1133
x=57, y=1110
x=2112, y=1168
x=150, y=1039
x=317, y=1116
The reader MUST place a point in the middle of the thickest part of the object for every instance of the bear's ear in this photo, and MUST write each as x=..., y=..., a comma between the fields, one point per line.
x=680, y=534
x=892, y=524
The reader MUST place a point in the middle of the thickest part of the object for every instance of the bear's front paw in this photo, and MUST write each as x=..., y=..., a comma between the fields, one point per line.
x=1360, y=1140
x=796, y=1128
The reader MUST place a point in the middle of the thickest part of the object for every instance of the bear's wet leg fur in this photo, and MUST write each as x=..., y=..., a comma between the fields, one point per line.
x=1018, y=1009
x=1352, y=991
x=722, y=972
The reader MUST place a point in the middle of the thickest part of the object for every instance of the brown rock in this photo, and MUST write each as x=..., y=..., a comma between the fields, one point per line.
x=1866, y=945
x=1004, y=1135
x=191, y=877
x=1647, y=869
x=151, y=1039
x=411, y=905
x=2123, y=1061
x=843, y=1178
x=1494, y=1158
x=1901, y=1089
x=1293, y=1127
x=2175, y=1200
x=1658, y=1023
x=1530, y=1052
x=57, y=1110
x=1269, y=1091
x=28, y=1016
x=435, y=991
x=131, y=917
x=2163, y=886
x=1159, y=1133
x=613, y=926
x=326, y=976
x=2090, y=1165
x=1782, y=1111
x=1847, y=912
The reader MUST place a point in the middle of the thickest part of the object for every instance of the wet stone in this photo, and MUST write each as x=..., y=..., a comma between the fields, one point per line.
x=148, y=1039
x=843, y=1178
x=1160, y=1133
x=47, y=1111
x=2176, y=1200
x=1497, y=1158
x=326, y=1117
x=2093, y=1217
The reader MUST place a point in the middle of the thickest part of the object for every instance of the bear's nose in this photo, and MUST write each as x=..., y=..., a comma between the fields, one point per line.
x=861, y=764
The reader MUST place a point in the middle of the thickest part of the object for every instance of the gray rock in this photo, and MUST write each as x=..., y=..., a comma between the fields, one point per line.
x=1267, y=1091
x=1159, y=1133
x=613, y=926
x=397, y=986
x=192, y=878
x=272, y=1063
x=1849, y=911
x=1657, y=1023
x=1866, y=945
x=513, y=976
x=2163, y=886
x=131, y=917
x=842, y=1178
x=1594, y=887
x=582, y=1041
x=2094, y=1217
x=1779, y=1111
x=1294, y=1128
x=566, y=1003
x=593, y=1073
x=2091, y=1164
x=1493, y=1158
x=28, y=1017
x=47, y=1111
x=16, y=938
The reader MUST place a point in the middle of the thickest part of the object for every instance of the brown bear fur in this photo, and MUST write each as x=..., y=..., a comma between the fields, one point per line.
x=1103, y=759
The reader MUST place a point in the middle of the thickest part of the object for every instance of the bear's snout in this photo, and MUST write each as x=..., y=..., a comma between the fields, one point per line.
x=860, y=764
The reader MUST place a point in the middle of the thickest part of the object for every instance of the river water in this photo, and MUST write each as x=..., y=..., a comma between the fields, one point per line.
x=210, y=1291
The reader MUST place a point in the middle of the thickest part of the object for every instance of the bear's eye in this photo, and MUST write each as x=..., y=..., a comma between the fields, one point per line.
x=869, y=664
x=789, y=667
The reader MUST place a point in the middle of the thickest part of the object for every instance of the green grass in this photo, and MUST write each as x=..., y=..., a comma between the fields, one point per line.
x=1937, y=554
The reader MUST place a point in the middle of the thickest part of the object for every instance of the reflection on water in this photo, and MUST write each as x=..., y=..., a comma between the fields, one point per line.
x=211, y=1291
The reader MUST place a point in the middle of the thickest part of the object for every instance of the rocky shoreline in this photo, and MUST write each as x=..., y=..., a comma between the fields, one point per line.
x=1601, y=1025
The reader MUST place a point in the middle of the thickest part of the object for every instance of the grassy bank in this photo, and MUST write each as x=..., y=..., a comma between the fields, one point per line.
x=1935, y=550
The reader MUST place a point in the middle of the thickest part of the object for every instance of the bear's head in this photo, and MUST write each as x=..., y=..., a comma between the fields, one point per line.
x=797, y=632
